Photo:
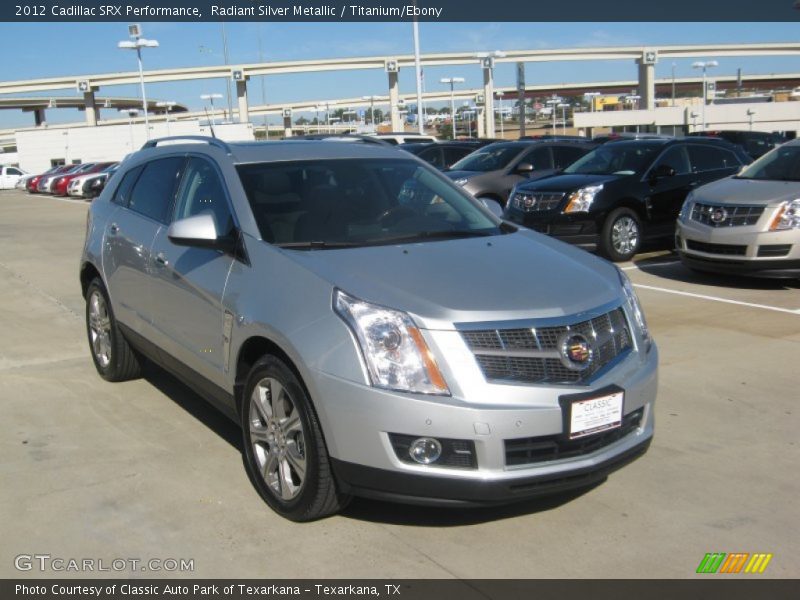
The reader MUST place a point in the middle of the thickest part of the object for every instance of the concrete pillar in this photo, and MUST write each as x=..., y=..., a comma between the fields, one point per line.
x=488, y=99
x=394, y=96
x=91, y=108
x=241, y=95
x=647, y=84
x=39, y=117
x=482, y=122
x=287, y=125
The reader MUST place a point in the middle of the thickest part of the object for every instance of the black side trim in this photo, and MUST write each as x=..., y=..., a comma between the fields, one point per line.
x=395, y=486
x=218, y=397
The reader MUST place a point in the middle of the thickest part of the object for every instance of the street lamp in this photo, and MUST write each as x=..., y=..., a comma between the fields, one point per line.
x=137, y=43
x=211, y=98
x=371, y=106
x=167, y=105
x=563, y=106
x=131, y=112
x=553, y=103
x=499, y=95
x=750, y=113
x=487, y=63
x=673, y=83
x=452, y=81
x=704, y=65
x=591, y=96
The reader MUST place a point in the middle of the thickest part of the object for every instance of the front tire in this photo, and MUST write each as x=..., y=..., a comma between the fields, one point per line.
x=284, y=450
x=621, y=236
x=113, y=357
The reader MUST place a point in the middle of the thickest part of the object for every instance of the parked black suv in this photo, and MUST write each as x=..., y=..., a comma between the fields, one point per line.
x=443, y=155
x=622, y=193
x=755, y=143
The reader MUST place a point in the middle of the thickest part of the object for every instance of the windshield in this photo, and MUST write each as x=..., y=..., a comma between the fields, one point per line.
x=782, y=164
x=356, y=202
x=489, y=158
x=619, y=158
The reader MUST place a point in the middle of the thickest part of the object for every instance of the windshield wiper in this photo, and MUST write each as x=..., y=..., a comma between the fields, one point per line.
x=318, y=244
x=431, y=235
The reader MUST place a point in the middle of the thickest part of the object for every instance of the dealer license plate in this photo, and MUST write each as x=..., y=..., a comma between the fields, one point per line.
x=594, y=415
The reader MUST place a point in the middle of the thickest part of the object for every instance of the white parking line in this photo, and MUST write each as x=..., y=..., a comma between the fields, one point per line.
x=717, y=299
x=657, y=264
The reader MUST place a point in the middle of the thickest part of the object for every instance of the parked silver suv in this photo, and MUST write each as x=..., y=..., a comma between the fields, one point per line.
x=374, y=329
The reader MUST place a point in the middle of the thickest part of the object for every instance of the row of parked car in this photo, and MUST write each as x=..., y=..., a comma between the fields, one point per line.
x=617, y=193
x=84, y=180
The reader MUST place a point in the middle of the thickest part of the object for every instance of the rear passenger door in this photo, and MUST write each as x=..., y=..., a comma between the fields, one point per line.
x=188, y=283
x=144, y=199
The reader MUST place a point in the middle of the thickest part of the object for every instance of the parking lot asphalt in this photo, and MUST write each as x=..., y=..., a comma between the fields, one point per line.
x=146, y=469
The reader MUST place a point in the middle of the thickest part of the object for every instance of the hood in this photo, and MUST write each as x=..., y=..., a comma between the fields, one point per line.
x=747, y=192
x=521, y=275
x=566, y=183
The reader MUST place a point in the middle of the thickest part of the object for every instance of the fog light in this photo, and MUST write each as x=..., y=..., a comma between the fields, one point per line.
x=425, y=450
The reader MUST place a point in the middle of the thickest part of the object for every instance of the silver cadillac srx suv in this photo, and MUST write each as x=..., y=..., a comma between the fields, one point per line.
x=373, y=329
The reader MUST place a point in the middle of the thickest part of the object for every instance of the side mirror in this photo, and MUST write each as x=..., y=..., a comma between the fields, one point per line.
x=199, y=231
x=493, y=206
x=662, y=171
x=524, y=168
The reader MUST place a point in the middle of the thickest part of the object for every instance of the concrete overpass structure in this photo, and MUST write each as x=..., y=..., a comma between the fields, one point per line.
x=644, y=56
x=38, y=105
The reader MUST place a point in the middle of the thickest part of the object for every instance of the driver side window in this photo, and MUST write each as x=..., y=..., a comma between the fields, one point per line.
x=202, y=192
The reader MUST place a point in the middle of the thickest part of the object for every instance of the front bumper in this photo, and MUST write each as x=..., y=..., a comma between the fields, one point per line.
x=358, y=419
x=579, y=229
x=747, y=250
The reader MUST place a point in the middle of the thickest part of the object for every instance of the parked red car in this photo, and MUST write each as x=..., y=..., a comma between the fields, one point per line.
x=62, y=183
x=33, y=183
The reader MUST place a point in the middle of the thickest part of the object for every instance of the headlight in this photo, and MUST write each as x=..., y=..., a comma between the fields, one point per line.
x=635, y=309
x=461, y=181
x=396, y=354
x=580, y=200
x=787, y=217
x=686, y=207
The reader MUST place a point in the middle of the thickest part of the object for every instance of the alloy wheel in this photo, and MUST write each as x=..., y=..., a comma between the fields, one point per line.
x=625, y=235
x=100, y=329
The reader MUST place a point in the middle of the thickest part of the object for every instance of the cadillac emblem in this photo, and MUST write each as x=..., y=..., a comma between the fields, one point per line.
x=576, y=351
x=718, y=215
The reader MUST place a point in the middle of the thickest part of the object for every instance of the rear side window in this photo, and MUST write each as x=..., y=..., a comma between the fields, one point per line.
x=433, y=156
x=452, y=155
x=153, y=192
x=709, y=158
x=539, y=158
x=122, y=195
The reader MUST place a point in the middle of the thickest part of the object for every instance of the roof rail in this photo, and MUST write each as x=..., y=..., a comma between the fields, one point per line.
x=356, y=137
x=192, y=139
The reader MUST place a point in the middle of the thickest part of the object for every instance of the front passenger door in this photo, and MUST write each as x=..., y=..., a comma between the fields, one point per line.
x=189, y=282
x=667, y=193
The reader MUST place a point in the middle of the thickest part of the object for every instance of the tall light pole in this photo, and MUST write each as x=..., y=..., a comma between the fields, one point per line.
x=500, y=100
x=591, y=97
x=563, y=106
x=452, y=81
x=211, y=98
x=704, y=65
x=673, y=83
x=418, y=71
x=137, y=42
x=167, y=105
x=131, y=112
x=554, y=102
x=371, y=106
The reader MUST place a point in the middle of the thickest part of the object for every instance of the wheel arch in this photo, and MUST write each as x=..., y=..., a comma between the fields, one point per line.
x=87, y=274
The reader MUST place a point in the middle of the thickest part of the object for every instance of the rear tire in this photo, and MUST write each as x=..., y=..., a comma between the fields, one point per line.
x=621, y=236
x=113, y=357
x=284, y=450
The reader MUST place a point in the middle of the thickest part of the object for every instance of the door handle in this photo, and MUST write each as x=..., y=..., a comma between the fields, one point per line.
x=113, y=229
x=161, y=260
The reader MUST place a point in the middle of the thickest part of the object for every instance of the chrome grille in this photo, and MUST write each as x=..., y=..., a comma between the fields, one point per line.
x=716, y=215
x=538, y=202
x=532, y=355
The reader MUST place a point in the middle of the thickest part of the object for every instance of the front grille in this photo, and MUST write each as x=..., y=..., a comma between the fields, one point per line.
x=774, y=250
x=726, y=249
x=526, y=451
x=533, y=355
x=715, y=215
x=536, y=202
